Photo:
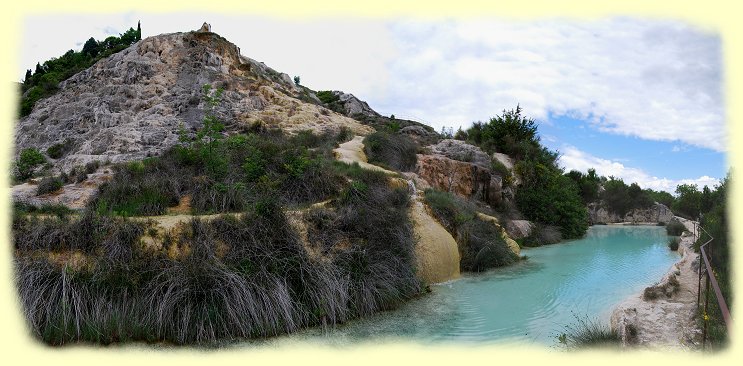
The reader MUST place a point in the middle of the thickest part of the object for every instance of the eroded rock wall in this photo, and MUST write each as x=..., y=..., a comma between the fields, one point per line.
x=658, y=212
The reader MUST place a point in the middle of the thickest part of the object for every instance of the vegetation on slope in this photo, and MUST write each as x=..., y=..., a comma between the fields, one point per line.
x=389, y=150
x=44, y=81
x=480, y=243
x=714, y=219
x=545, y=195
x=94, y=278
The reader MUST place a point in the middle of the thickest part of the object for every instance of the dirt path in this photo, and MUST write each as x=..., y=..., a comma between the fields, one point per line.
x=666, y=322
x=353, y=152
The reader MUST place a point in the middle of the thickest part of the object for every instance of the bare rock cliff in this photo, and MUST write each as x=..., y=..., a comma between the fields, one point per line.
x=131, y=104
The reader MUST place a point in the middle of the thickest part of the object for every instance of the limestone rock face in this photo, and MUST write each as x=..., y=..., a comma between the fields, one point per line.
x=656, y=213
x=354, y=106
x=131, y=104
x=461, y=178
x=462, y=151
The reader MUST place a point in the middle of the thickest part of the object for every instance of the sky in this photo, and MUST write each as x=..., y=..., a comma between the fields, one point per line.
x=635, y=98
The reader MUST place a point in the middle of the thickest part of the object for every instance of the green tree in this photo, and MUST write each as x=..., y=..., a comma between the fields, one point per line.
x=551, y=198
x=28, y=160
x=296, y=80
x=91, y=47
x=688, y=201
x=210, y=135
x=588, y=184
x=510, y=133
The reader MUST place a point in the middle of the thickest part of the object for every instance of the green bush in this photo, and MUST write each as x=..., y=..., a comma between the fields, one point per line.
x=327, y=96
x=397, y=152
x=551, y=198
x=48, y=185
x=56, y=151
x=28, y=160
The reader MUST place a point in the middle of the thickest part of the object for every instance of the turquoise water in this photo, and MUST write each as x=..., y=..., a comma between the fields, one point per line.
x=530, y=302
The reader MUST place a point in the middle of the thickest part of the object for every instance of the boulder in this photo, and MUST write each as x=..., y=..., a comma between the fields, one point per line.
x=464, y=179
x=519, y=229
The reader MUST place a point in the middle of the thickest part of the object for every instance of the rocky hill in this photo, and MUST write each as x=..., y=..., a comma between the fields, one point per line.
x=130, y=105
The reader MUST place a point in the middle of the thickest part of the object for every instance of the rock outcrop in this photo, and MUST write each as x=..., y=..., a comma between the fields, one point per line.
x=131, y=104
x=461, y=151
x=419, y=134
x=658, y=212
x=75, y=195
x=519, y=229
x=353, y=106
x=466, y=180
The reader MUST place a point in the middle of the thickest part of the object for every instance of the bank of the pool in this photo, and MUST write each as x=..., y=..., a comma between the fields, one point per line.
x=665, y=322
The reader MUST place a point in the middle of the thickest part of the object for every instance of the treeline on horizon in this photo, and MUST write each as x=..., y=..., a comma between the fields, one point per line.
x=44, y=80
x=551, y=196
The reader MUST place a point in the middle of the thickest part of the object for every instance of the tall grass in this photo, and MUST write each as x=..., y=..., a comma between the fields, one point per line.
x=234, y=277
x=588, y=333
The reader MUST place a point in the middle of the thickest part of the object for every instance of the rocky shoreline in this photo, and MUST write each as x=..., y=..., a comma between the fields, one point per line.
x=666, y=319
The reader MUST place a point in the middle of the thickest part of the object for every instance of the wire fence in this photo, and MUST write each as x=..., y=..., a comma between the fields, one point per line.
x=715, y=314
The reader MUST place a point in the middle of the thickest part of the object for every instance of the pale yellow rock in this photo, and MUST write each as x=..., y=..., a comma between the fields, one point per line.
x=436, y=250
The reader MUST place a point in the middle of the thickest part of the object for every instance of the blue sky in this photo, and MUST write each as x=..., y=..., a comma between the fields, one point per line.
x=636, y=98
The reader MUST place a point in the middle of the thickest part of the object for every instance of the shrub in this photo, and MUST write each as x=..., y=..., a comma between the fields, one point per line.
x=397, y=152
x=58, y=150
x=483, y=247
x=675, y=228
x=59, y=210
x=28, y=160
x=673, y=244
x=327, y=96
x=450, y=210
x=48, y=185
x=480, y=243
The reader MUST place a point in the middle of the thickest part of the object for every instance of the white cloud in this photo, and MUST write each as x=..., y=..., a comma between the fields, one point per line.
x=572, y=158
x=657, y=80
